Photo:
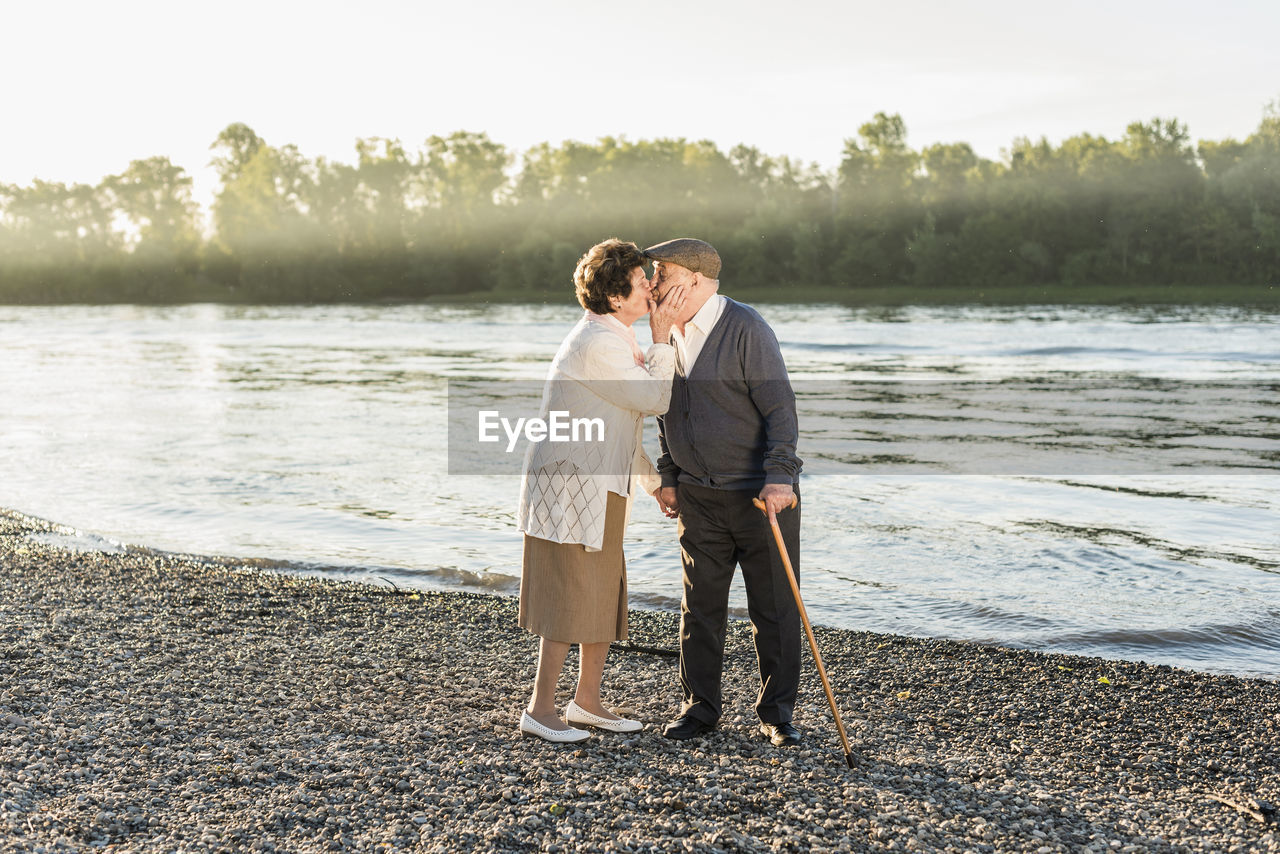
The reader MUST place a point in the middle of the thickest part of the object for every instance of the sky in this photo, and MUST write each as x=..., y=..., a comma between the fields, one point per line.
x=89, y=86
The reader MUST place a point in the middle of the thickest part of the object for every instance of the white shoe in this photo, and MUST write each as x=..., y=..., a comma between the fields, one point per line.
x=575, y=714
x=529, y=726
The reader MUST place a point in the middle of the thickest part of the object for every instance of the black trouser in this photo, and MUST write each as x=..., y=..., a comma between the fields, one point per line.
x=719, y=529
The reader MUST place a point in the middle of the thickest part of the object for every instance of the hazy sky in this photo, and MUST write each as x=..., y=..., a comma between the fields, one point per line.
x=89, y=86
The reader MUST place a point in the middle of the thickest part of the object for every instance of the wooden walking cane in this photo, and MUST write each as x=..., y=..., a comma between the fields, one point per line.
x=804, y=618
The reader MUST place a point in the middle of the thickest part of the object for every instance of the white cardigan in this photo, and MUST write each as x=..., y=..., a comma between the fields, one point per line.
x=564, y=488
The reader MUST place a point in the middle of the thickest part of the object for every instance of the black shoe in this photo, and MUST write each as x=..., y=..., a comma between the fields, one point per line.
x=686, y=727
x=782, y=735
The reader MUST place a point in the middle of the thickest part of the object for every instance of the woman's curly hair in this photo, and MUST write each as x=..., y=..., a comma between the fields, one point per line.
x=604, y=272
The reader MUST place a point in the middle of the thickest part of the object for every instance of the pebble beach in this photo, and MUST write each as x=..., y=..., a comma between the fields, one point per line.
x=157, y=702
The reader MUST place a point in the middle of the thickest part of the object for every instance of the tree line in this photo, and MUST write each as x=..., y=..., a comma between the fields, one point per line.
x=464, y=215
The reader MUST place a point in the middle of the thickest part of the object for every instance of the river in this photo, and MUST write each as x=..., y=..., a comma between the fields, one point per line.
x=1102, y=481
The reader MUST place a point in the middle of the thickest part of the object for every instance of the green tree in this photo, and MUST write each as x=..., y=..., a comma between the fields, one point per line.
x=155, y=195
x=1246, y=195
x=879, y=203
x=235, y=146
x=462, y=215
x=59, y=244
x=461, y=180
x=1158, y=187
x=268, y=245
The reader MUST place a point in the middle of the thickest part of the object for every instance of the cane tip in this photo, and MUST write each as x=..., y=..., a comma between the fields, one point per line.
x=848, y=758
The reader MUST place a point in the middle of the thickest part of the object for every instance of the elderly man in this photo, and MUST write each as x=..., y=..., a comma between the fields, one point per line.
x=729, y=437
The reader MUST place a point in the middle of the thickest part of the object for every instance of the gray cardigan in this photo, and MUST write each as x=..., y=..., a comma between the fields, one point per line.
x=732, y=421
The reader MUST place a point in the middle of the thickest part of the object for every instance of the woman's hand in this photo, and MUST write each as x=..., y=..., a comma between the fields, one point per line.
x=662, y=316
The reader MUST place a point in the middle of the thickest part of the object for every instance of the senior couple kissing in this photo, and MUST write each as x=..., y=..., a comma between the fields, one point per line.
x=715, y=378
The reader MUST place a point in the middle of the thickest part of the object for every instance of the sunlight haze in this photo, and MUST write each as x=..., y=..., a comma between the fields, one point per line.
x=90, y=87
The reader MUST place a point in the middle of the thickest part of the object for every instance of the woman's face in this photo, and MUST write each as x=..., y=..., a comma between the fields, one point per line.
x=636, y=305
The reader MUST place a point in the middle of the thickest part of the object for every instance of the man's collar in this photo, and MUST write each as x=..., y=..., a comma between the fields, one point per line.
x=706, y=316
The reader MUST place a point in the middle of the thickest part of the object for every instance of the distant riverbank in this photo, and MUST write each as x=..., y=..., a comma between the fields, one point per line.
x=161, y=703
x=1121, y=295
x=1077, y=295
x=895, y=296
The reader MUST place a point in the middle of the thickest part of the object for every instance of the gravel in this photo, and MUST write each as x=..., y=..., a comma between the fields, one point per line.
x=167, y=703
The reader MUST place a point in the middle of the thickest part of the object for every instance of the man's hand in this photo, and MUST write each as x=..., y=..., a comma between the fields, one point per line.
x=667, y=501
x=777, y=497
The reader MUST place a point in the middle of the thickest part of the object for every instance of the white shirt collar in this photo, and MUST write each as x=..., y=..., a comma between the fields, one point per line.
x=708, y=314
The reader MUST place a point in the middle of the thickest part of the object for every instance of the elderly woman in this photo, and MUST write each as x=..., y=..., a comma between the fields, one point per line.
x=574, y=497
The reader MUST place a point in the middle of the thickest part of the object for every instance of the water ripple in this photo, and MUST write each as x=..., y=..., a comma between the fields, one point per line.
x=314, y=439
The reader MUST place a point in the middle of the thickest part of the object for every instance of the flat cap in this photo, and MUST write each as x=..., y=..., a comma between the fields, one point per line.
x=696, y=255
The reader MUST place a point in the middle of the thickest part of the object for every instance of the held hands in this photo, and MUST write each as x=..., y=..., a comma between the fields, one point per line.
x=777, y=497
x=667, y=501
x=662, y=316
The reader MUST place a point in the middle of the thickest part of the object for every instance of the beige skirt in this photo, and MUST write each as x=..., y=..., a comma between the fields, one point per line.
x=571, y=595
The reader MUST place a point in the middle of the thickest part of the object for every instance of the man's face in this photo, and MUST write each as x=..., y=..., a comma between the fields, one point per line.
x=666, y=276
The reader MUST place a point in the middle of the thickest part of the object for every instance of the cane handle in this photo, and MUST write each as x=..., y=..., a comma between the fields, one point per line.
x=760, y=504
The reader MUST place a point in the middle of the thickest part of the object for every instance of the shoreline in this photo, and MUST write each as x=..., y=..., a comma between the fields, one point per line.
x=398, y=580
x=160, y=702
x=1053, y=295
